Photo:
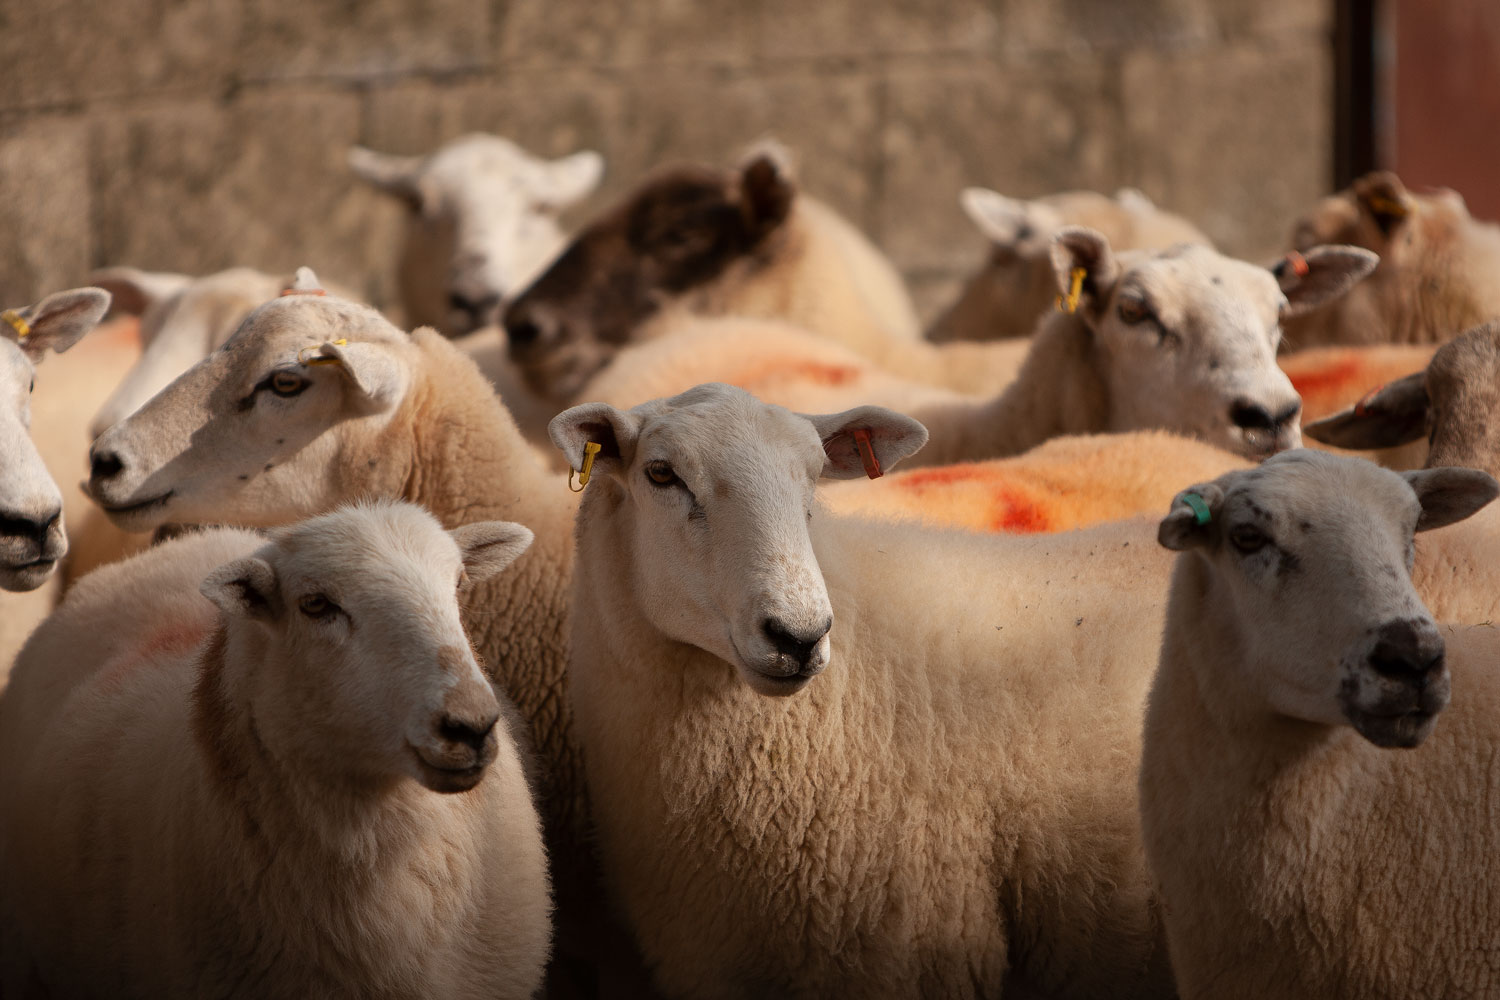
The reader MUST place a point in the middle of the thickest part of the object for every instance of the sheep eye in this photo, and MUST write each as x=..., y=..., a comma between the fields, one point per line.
x=1133, y=311
x=317, y=606
x=1248, y=539
x=285, y=383
x=661, y=474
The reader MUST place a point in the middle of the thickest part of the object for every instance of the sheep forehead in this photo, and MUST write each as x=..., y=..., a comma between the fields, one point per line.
x=1300, y=491
x=726, y=434
x=480, y=167
x=383, y=553
x=299, y=321
x=1195, y=281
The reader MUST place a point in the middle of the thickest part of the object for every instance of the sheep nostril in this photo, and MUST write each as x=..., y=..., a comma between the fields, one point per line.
x=104, y=465
x=33, y=528
x=798, y=647
x=470, y=733
x=523, y=333
x=1251, y=416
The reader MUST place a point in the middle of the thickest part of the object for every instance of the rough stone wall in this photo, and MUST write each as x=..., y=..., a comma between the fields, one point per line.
x=195, y=135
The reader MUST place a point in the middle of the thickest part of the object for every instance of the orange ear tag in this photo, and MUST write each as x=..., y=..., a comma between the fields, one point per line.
x=1362, y=408
x=1299, y=264
x=866, y=453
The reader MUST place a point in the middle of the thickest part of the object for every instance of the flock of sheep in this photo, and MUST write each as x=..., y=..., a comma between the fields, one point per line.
x=586, y=657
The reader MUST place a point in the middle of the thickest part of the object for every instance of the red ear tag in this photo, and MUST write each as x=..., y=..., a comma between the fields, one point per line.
x=1362, y=408
x=302, y=291
x=1298, y=264
x=866, y=453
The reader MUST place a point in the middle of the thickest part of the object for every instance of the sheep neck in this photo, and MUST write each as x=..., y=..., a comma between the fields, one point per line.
x=1059, y=391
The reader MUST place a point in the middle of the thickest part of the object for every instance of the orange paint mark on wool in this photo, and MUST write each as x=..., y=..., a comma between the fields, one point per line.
x=124, y=331
x=1332, y=376
x=169, y=640
x=1018, y=514
x=942, y=475
x=815, y=372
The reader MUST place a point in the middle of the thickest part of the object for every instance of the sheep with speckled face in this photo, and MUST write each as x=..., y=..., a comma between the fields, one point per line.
x=312, y=792
x=1319, y=819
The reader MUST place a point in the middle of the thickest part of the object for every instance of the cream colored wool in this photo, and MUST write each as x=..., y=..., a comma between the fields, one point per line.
x=946, y=808
x=170, y=830
x=1297, y=859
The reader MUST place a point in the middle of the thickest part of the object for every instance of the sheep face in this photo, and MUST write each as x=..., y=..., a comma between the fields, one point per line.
x=713, y=492
x=673, y=237
x=183, y=319
x=1451, y=404
x=352, y=620
x=32, y=539
x=1187, y=338
x=257, y=432
x=481, y=223
x=1310, y=556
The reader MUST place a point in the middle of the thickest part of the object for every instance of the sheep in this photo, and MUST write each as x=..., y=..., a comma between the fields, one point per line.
x=932, y=798
x=315, y=401
x=1182, y=339
x=1437, y=266
x=312, y=792
x=481, y=222
x=1067, y=483
x=1015, y=287
x=710, y=242
x=1298, y=852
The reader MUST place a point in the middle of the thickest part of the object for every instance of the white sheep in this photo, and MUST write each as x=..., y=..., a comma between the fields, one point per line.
x=708, y=242
x=1437, y=266
x=829, y=756
x=1182, y=339
x=1297, y=853
x=315, y=401
x=314, y=792
x=481, y=222
x=1014, y=288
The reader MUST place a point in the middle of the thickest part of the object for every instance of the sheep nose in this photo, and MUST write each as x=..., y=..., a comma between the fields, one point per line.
x=1255, y=416
x=104, y=465
x=470, y=732
x=526, y=330
x=32, y=528
x=482, y=309
x=799, y=647
x=1411, y=652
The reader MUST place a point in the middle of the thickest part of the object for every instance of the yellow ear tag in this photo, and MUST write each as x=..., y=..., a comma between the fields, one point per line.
x=589, y=451
x=1075, y=289
x=306, y=361
x=22, y=328
x=1388, y=206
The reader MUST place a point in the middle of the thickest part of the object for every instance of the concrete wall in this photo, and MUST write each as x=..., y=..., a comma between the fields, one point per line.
x=192, y=136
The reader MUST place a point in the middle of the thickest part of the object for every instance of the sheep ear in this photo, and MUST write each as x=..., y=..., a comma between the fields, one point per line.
x=379, y=378
x=1081, y=248
x=1192, y=519
x=767, y=188
x=57, y=322
x=1382, y=194
x=569, y=179
x=134, y=291
x=597, y=423
x=1393, y=414
x=866, y=441
x=1135, y=200
x=397, y=176
x=1450, y=493
x=246, y=587
x=1321, y=275
x=1008, y=222
x=488, y=547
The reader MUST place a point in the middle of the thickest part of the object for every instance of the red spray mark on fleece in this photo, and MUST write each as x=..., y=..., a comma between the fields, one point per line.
x=1016, y=514
x=804, y=371
x=168, y=640
x=1335, y=375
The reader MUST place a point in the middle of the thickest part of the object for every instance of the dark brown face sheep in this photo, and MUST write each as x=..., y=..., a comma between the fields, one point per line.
x=1437, y=272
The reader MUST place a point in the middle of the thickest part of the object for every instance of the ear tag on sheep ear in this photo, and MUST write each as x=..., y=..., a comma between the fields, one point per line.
x=22, y=328
x=1069, y=304
x=305, y=361
x=1362, y=408
x=1199, y=507
x=590, y=449
x=866, y=452
x=1298, y=264
x=1388, y=206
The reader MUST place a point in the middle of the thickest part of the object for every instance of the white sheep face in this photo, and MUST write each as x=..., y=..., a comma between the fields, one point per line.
x=714, y=492
x=255, y=433
x=351, y=621
x=482, y=223
x=183, y=320
x=1188, y=337
x=1311, y=553
x=32, y=538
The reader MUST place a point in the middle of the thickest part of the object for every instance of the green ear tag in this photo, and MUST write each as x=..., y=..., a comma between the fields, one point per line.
x=1200, y=507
